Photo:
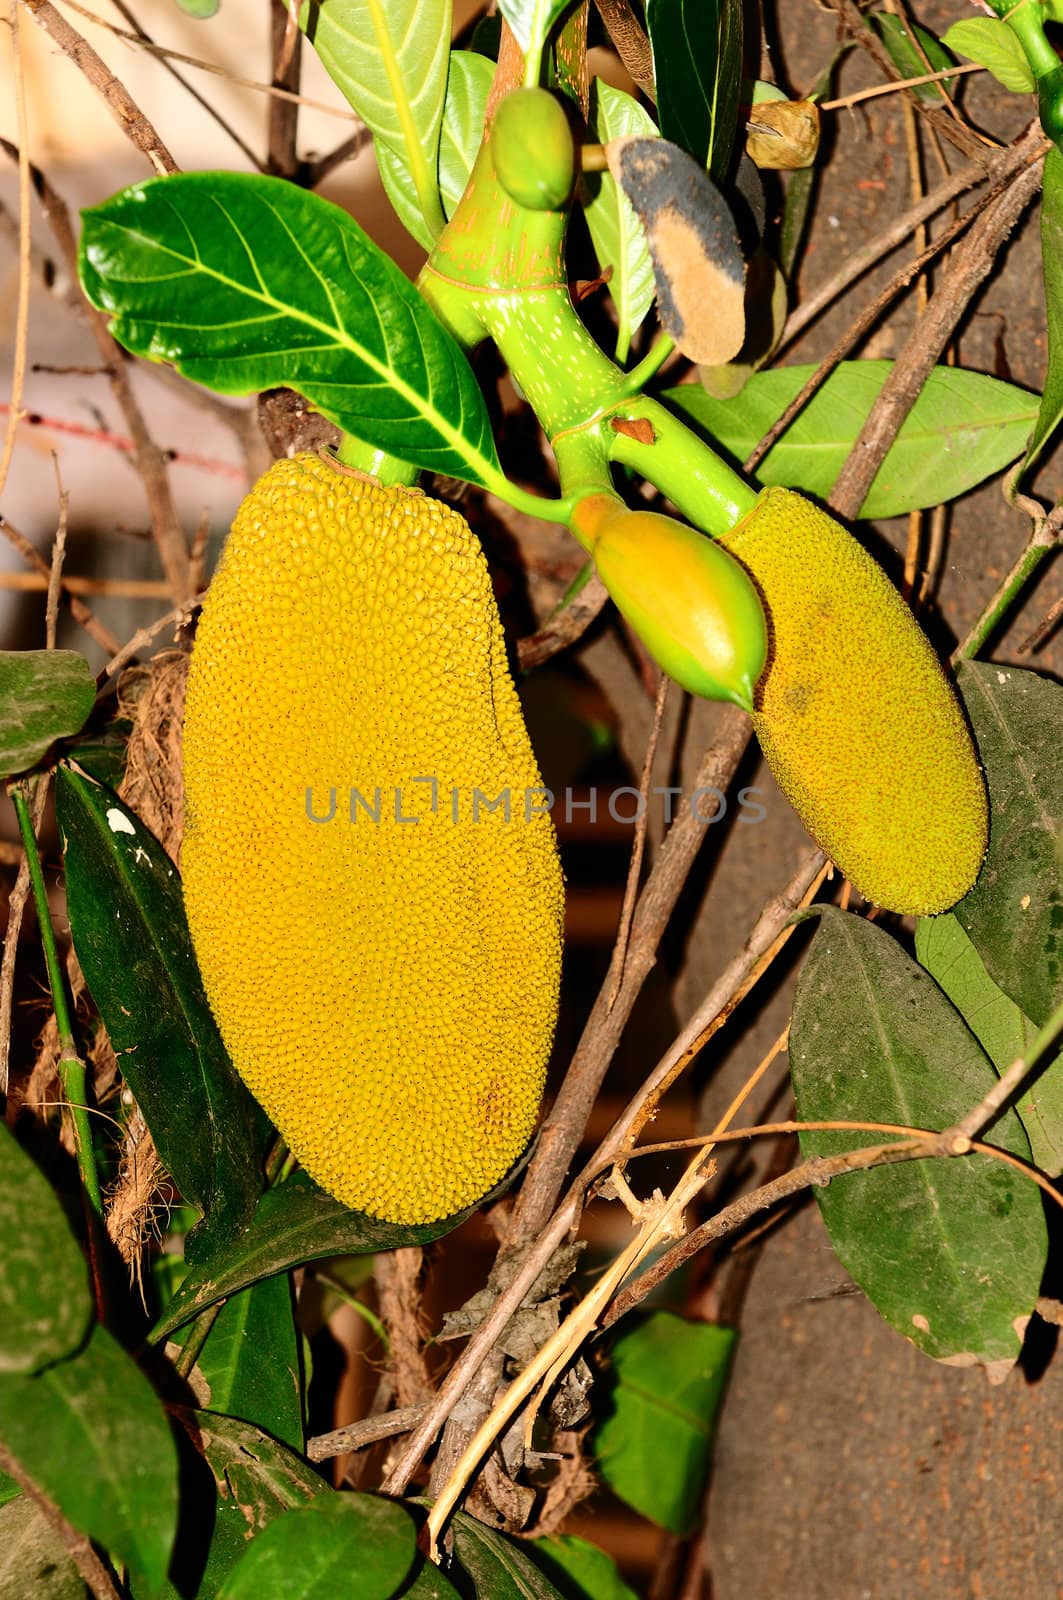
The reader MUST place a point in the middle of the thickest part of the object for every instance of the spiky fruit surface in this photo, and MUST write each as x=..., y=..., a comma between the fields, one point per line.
x=386, y=988
x=855, y=716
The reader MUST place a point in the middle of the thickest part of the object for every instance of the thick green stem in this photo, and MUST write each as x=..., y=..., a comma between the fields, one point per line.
x=1027, y=22
x=72, y=1074
x=498, y=271
x=388, y=470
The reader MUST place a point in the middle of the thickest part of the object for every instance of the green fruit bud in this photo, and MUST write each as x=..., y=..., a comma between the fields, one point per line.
x=533, y=150
x=689, y=601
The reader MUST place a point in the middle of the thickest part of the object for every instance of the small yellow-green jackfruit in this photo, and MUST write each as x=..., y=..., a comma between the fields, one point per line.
x=690, y=603
x=371, y=876
x=855, y=716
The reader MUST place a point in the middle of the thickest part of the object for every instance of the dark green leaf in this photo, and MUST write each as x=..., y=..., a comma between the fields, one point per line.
x=618, y=236
x=654, y=1448
x=993, y=45
x=459, y=140
x=128, y=921
x=349, y=1544
x=1051, y=411
x=963, y=428
x=498, y=1568
x=390, y=62
x=247, y=283
x=579, y=1569
x=1000, y=1028
x=531, y=20
x=1014, y=914
x=295, y=1222
x=44, y=695
x=949, y=1251
x=34, y=1562
x=904, y=43
x=697, y=67
x=251, y=1361
x=45, y=1302
x=234, y=1481
x=93, y=1436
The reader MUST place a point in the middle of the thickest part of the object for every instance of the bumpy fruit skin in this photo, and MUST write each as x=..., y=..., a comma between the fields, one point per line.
x=857, y=721
x=533, y=151
x=689, y=601
x=387, y=989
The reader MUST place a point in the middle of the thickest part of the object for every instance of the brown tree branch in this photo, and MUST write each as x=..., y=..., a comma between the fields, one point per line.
x=99, y=1579
x=151, y=462
x=564, y=1127
x=1000, y=170
x=123, y=108
x=286, y=53
x=971, y=263
x=770, y=924
x=369, y=1430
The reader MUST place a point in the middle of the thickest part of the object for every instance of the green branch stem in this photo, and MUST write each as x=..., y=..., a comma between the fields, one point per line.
x=1043, y=541
x=72, y=1074
x=498, y=272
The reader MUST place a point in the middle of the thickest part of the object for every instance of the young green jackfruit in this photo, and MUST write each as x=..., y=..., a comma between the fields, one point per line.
x=533, y=150
x=381, y=949
x=855, y=716
x=690, y=603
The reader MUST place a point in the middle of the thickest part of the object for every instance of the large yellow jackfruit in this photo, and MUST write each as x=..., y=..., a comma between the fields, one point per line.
x=387, y=987
x=855, y=716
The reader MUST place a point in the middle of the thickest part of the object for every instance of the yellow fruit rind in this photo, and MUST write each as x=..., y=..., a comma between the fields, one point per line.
x=855, y=716
x=387, y=989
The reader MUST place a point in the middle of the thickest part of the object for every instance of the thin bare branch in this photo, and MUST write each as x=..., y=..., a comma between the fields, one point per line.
x=151, y=462
x=123, y=108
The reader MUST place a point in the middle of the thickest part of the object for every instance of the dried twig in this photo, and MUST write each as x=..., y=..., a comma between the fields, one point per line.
x=564, y=626
x=123, y=108
x=99, y=1579
x=286, y=46
x=999, y=170
x=22, y=312
x=71, y=587
x=201, y=100
x=971, y=263
x=564, y=1127
x=370, y=1430
x=151, y=462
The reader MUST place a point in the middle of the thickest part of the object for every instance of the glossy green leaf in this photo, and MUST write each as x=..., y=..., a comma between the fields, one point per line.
x=460, y=135
x=128, y=922
x=900, y=40
x=34, y=1562
x=697, y=67
x=950, y=1252
x=497, y=1568
x=294, y=1223
x=250, y=1363
x=993, y=45
x=1014, y=914
x=45, y=1301
x=578, y=1569
x=653, y=1450
x=235, y=1480
x=44, y=695
x=1000, y=1028
x=246, y=282
x=389, y=59
x=963, y=428
x=531, y=21
x=93, y=1436
x=617, y=235
x=1051, y=410
x=349, y=1544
